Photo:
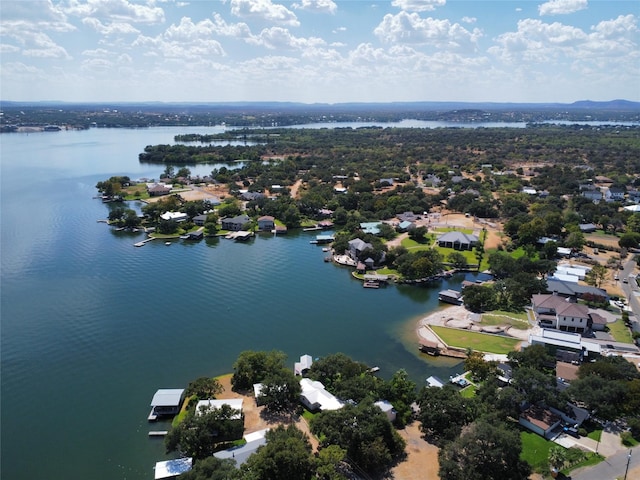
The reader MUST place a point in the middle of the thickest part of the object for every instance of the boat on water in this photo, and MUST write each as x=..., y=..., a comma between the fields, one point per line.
x=167, y=243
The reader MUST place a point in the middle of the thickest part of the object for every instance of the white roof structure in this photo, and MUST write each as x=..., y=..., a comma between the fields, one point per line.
x=174, y=216
x=304, y=364
x=173, y=468
x=632, y=208
x=241, y=454
x=564, y=277
x=315, y=394
x=387, y=409
x=565, y=340
x=167, y=397
x=211, y=404
x=433, y=381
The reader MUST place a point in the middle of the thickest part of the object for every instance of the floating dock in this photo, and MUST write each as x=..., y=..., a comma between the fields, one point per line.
x=158, y=433
x=142, y=243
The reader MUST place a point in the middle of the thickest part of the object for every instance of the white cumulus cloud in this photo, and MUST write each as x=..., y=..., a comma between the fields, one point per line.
x=418, y=5
x=317, y=6
x=561, y=7
x=411, y=28
x=264, y=10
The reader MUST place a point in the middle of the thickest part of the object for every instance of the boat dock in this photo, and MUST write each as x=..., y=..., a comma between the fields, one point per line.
x=142, y=243
x=158, y=433
x=152, y=415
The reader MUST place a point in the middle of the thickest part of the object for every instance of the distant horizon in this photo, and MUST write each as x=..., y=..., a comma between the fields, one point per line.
x=278, y=102
x=319, y=51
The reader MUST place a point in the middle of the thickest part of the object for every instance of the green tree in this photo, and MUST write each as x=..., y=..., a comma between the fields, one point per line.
x=629, y=240
x=287, y=454
x=253, y=367
x=281, y=391
x=457, y=260
x=400, y=391
x=480, y=368
x=328, y=463
x=557, y=457
x=479, y=298
x=204, y=388
x=534, y=356
x=332, y=369
x=364, y=432
x=212, y=468
x=443, y=413
x=417, y=234
x=596, y=275
x=199, y=433
x=484, y=451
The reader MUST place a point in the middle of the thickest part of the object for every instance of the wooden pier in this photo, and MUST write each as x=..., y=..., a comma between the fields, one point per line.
x=143, y=242
x=158, y=433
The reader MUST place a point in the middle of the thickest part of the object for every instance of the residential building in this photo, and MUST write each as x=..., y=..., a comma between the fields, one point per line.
x=387, y=409
x=540, y=420
x=357, y=246
x=303, y=366
x=266, y=223
x=594, y=195
x=175, y=216
x=553, y=311
x=235, y=224
x=458, y=240
x=614, y=194
x=315, y=397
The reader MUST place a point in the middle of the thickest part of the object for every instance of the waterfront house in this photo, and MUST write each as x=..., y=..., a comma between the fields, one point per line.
x=457, y=240
x=166, y=402
x=357, y=246
x=158, y=189
x=266, y=223
x=195, y=235
x=200, y=220
x=235, y=224
x=315, y=397
x=553, y=311
x=175, y=216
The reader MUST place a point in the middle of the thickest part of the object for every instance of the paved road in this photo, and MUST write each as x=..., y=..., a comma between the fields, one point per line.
x=631, y=291
x=612, y=468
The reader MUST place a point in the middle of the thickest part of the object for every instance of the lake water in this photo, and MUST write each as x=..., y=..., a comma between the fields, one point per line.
x=92, y=326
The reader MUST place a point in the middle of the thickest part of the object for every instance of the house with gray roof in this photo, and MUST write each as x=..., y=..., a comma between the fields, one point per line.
x=235, y=224
x=357, y=246
x=457, y=240
x=564, y=288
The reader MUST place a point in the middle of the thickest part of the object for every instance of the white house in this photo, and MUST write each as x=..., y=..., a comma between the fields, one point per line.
x=554, y=311
x=175, y=216
x=315, y=397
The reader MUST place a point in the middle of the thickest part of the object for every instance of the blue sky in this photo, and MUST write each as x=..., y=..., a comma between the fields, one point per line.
x=325, y=51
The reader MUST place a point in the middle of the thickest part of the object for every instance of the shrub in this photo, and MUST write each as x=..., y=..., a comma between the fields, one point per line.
x=627, y=439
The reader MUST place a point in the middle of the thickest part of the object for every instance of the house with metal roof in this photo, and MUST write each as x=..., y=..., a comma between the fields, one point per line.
x=370, y=227
x=214, y=404
x=241, y=453
x=357, y=246
x=315, y=397
x=458, y=240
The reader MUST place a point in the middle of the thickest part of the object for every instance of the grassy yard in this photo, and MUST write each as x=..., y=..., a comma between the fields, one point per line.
x=468, y=392
x=620, y=332
x=535, y=451
x=477, y=341
x=516, y=320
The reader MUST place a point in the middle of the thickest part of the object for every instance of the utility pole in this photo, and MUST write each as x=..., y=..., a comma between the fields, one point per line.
x=628, y=461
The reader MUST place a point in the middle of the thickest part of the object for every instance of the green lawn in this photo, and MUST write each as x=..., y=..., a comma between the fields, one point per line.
x=477, y=341
x=620, y=332
x=535, y=451
x=468, y=392
x=414, y=246
x=516, y=320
